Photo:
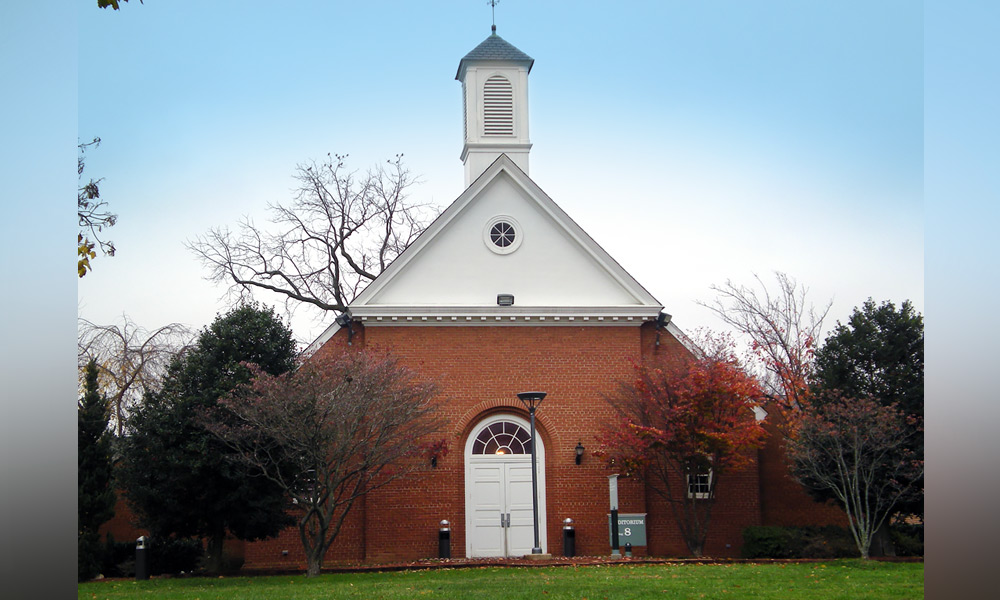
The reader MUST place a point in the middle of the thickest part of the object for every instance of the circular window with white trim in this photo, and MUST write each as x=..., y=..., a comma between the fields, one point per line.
x=502, y=234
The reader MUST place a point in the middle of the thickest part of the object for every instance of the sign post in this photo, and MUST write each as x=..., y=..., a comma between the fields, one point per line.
x=613, y=491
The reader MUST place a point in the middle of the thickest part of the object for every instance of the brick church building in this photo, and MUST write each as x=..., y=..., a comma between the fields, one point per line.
x=505, y=293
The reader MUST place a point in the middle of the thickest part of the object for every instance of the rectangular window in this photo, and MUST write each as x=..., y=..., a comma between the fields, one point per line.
x=699, y=485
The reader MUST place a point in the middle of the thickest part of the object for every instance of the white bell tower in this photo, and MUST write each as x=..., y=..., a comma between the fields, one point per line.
x=494, y=80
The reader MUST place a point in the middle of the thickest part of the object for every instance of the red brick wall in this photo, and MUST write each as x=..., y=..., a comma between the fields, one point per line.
x=479, y=371
x=737, y=505
x=123, y=526
x=783, y=500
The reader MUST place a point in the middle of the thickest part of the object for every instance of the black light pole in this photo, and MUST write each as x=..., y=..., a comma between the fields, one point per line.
x=531, y=400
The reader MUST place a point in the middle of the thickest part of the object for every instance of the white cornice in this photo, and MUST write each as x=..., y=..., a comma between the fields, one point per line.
x=498, y=148
x=472, y=316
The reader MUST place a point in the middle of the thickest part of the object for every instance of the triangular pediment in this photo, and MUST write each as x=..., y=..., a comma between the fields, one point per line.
x=455, y=270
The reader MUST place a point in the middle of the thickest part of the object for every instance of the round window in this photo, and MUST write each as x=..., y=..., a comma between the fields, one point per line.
x=502, y=234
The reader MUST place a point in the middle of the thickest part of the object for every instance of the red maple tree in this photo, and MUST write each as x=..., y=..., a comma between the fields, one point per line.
x=684, y=424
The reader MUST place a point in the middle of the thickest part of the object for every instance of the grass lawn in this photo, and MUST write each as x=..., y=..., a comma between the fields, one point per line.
x=842, y=579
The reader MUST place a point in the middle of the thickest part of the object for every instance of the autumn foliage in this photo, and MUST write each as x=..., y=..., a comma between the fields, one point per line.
x=686, y=417
x=783, y=330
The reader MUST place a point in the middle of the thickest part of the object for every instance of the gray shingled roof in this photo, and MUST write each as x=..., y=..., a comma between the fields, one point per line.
x=495, y=48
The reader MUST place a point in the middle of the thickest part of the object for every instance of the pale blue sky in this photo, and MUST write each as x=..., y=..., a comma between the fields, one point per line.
x=696, y=142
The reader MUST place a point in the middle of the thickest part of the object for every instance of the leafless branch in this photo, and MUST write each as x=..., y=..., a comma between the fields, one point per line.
x=129, y=358
x=339, y=232
x=782, y=328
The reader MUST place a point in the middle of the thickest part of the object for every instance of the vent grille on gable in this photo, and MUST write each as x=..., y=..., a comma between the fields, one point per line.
x=498, y=106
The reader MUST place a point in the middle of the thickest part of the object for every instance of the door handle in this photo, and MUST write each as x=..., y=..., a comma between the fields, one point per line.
x=501, y=520
x=508, y=519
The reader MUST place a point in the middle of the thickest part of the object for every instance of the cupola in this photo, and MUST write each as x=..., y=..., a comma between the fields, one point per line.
x=494, y=77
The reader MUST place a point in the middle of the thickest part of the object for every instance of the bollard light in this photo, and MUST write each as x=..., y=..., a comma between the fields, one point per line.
x=569, y=538
x=444, y=539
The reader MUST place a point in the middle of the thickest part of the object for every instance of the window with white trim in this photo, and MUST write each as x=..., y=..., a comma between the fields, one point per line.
x=699, y=485
x=502, y=234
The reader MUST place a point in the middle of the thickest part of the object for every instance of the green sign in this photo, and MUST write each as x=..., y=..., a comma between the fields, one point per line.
x=631, y=529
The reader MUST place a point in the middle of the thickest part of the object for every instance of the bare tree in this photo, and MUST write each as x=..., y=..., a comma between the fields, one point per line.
x=329, y=432
x=129, y=359
x=339, y=233
x=783, y=332
x=858, y=451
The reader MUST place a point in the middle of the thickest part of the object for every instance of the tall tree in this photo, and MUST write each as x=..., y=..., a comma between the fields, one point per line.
x=92, y=214
x=335, y=429
x=783, y=331
x=95, y=490
x=338, y=234
x=180, y=478
x=682, y=427
x=879, y=353
x=130, y=359
x=858, y=451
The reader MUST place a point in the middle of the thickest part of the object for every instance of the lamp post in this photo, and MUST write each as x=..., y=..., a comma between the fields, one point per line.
x=531, y=401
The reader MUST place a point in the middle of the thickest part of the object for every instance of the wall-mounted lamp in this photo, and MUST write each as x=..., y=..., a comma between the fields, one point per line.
x=505, y=299
x=344, y=321
x=662, y=320
x=579, y=452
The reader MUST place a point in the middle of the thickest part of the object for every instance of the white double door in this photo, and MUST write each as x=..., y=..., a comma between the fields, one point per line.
x=499, y=509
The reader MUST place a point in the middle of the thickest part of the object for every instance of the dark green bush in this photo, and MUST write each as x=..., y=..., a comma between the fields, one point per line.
x=828, y=541
x=166, y=556
x=908, y=539
x=798, y=542
x=119, y=558
x=90, y=555
x=173, y=555
x=771, y=542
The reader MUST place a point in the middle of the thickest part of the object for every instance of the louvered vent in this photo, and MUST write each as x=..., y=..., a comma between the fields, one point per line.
x=498, y=106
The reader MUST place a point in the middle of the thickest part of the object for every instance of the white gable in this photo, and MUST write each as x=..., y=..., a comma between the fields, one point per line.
x=454, y=271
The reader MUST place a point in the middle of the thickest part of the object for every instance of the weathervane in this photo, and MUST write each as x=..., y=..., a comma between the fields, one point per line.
x=493, y=8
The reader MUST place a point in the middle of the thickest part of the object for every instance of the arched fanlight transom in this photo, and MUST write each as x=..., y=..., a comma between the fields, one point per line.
x=502, y=437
